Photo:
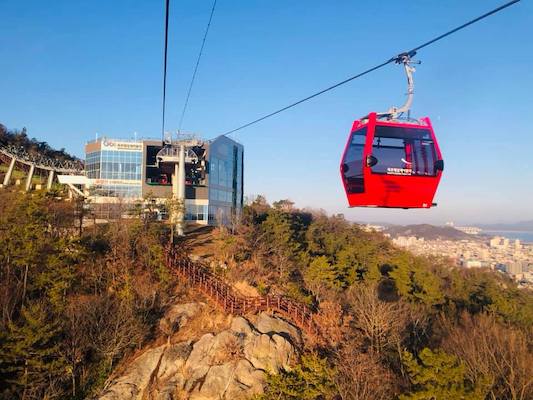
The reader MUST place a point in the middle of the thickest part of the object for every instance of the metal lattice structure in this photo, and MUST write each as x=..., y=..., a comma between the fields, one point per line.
x=26, y=159
x=225, y=297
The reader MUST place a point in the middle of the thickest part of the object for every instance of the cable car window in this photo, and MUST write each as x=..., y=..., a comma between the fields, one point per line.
x=352, y=165
x=424, y=157
x=403, y=151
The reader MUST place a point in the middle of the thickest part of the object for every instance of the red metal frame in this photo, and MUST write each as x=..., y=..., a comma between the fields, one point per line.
x=392, y=191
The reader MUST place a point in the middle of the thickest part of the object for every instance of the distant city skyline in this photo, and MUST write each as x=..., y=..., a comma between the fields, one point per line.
x=71, y=69
x=500, y=254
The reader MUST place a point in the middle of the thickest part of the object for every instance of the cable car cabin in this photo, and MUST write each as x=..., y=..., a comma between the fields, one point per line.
x=391, y=164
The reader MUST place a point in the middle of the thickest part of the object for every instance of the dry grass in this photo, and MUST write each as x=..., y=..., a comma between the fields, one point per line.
x=180, y=394
x=200, y=242
x=208, y=320
x=232, y=350
x=245, y=289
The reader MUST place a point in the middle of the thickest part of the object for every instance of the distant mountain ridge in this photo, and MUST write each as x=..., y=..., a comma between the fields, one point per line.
x=522, y=226
x=429, y=232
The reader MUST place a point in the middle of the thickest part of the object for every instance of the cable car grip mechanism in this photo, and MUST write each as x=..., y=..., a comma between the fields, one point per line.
x=408, y=62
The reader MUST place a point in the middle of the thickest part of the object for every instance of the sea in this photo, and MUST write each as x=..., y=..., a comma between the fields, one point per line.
x=525, y=237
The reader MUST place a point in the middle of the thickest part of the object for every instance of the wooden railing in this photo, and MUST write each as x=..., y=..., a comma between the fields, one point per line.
x=224, y=295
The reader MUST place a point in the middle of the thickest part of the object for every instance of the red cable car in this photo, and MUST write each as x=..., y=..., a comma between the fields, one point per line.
x=390, y=162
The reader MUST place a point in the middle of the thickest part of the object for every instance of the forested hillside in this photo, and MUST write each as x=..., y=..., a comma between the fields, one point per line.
x=394, y=325
x=20, y=140
x=75, y=302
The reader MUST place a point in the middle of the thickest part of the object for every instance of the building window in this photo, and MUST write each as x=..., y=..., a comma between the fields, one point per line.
x=92, y=165
x=196, y=212
x=111, y=190
x=123, y=165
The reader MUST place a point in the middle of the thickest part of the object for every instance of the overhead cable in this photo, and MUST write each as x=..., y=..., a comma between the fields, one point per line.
x=396, y=58
x=167, y=9
x=196, y=66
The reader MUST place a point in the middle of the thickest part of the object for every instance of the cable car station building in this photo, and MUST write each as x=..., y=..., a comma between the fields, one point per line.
x=127, y=171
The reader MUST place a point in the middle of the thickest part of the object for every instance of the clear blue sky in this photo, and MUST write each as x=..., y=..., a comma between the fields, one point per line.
x=69, y=69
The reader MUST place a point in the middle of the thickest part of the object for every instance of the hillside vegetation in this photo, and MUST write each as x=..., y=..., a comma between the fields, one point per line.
x=75, y=302
x=394, y=325
x=32, y=146
x=72, y=305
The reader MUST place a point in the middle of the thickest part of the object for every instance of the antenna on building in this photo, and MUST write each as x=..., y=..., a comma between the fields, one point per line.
x=135, y=136
x=96, y=135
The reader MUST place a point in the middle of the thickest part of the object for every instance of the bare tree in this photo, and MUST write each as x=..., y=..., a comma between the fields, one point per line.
x=114, y=328
x=333, y=322
x=379, y=323
x=361, y=376
x=496, y=356
x=75, y=344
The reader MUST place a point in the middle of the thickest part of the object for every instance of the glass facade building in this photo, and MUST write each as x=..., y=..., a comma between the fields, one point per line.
x=131, y=170
x=115, y=168
x=226, y=160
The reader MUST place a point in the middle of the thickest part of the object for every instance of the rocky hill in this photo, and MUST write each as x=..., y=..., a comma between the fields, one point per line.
x=428, y=232
x=231, y=363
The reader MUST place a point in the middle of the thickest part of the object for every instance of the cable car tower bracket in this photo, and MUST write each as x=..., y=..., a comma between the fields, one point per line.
x=178, y=154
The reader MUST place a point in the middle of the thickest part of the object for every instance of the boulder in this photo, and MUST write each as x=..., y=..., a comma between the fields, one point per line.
x=247, y=379
x=133, y=383
x=268, y=324
x=241, y=326
x=230, y=364
x=173, y=360
x=215, y=383
x=199, y=361
x=269, y=353
x=177, y=316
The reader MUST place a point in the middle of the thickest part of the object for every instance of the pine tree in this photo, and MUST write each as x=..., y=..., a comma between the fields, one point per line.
x=281, y=235
x=322, y=275
x=311, y=379
x=414, y=281
x=438, y=376
x=30, y=355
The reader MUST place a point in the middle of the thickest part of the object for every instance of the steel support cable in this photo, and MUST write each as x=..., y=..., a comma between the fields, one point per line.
x=488, y=14
x=196, y=66
x=167, y=9
x=397, y=58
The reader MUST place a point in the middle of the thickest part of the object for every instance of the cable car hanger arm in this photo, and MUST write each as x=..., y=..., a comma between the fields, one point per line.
x=405, y=59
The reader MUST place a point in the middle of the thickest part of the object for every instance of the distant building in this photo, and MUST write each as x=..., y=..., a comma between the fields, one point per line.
x=125, y=171
x=407, y=241
x=495, y=242
x=471, y=230
x=372, y=228
x=514, y=268
x=472, y=264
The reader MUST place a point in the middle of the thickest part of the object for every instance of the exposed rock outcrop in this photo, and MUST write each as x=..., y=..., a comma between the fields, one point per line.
x=231, y=364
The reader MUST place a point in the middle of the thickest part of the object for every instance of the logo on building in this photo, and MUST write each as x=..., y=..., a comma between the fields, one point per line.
x=108, y=144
